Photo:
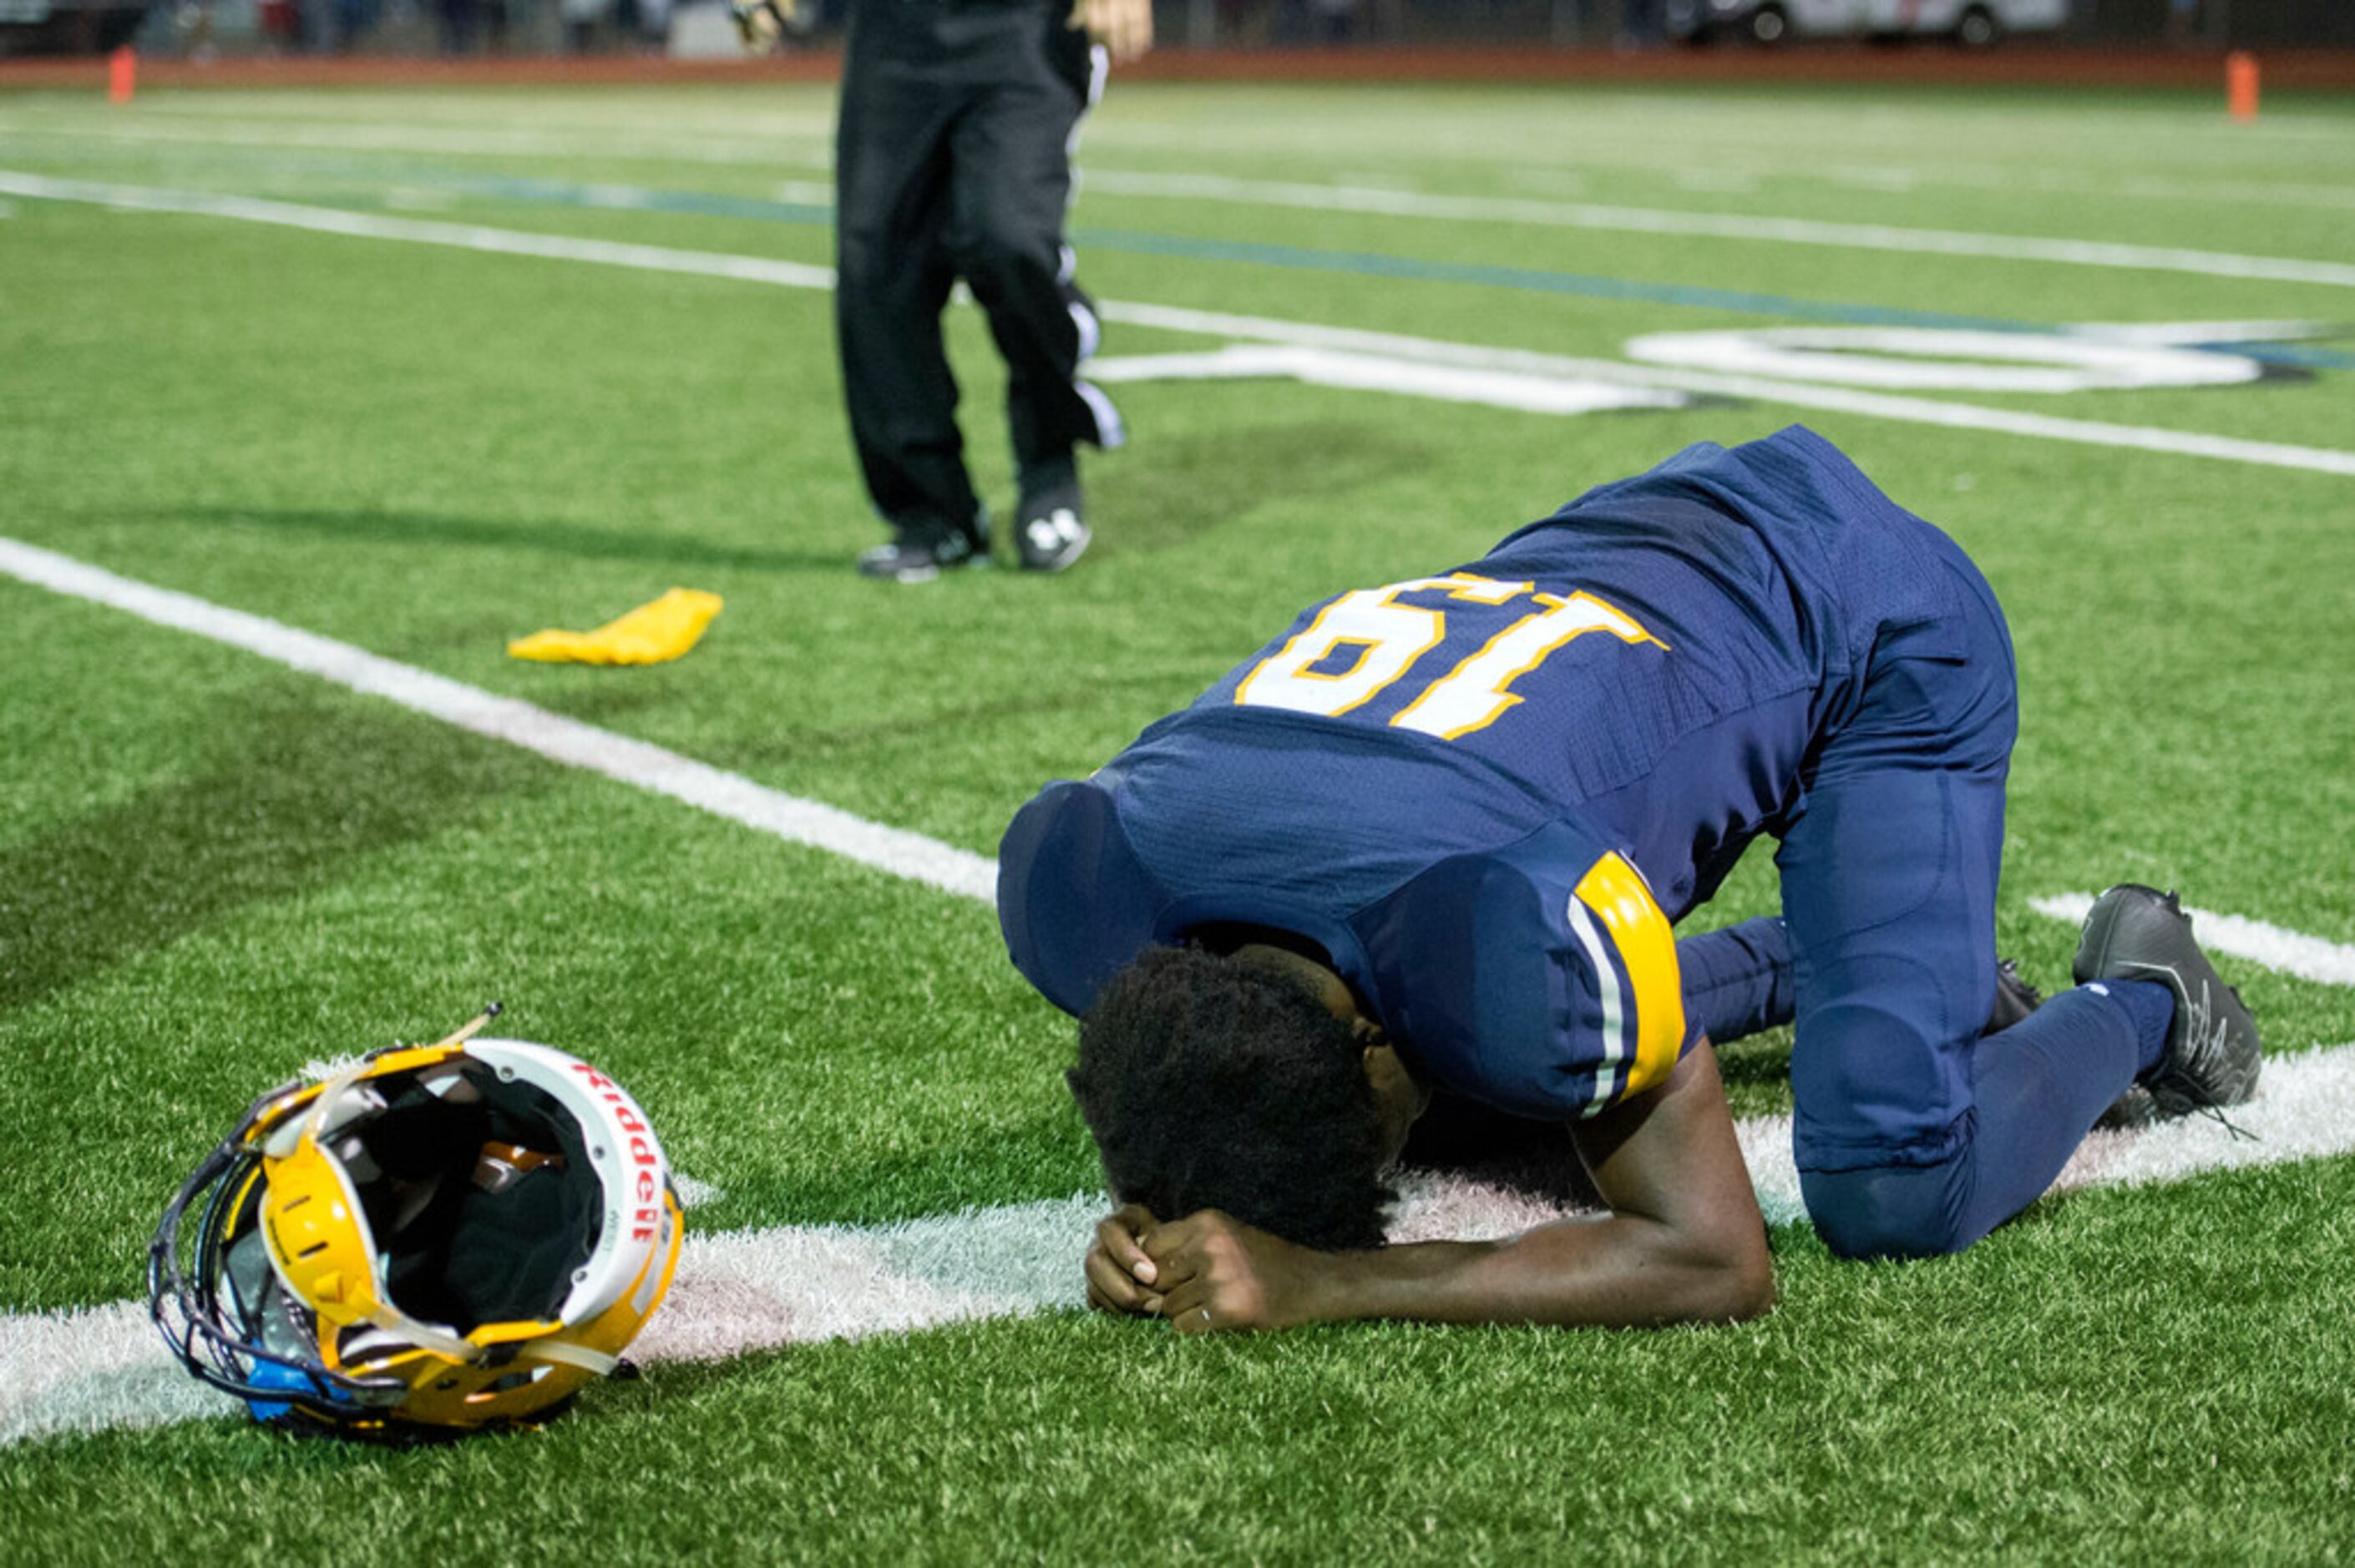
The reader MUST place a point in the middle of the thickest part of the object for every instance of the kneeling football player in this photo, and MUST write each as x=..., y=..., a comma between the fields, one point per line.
x=1434, y=837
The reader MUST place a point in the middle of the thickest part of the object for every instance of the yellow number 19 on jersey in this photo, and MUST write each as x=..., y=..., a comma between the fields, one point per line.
x=1365, y=641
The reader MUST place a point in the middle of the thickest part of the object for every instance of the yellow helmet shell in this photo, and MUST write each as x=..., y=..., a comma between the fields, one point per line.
x=389, y=1145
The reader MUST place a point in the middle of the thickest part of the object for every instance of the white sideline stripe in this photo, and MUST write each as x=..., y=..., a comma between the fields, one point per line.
x=749, y=268
x=2239, y=937
x=1758, y=388
x=422, y=231
x=518, y=723
x=807, y=142
x=740, y=800
x=1376, y=201
x=1373, y=372
x=1320, y=196
x=99, y=1367
x=473, y=142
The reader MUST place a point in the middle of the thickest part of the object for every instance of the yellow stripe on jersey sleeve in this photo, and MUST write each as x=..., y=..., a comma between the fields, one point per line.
x=1617, y=893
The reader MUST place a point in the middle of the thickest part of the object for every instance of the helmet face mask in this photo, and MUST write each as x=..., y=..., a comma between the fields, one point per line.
x=438, y=1239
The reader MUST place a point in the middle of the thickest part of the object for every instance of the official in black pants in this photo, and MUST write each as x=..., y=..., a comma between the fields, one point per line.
x=953, y=160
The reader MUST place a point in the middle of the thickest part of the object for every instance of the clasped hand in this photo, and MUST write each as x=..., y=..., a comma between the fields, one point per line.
x=1206, y=1273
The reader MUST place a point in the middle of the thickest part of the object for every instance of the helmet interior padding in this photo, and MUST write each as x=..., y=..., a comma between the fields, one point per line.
x=471, y=1254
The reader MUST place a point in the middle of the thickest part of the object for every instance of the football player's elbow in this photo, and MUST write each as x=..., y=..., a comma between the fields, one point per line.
x=1735, y=1283
x=1747, y=1287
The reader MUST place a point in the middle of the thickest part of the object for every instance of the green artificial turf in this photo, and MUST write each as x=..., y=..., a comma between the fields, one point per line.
x=2148, y=1377
x=213, y=870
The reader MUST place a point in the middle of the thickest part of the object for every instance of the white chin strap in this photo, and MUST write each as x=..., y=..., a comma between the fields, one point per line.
x=466, y=1352
x=570, y=1355
x=425, y=1336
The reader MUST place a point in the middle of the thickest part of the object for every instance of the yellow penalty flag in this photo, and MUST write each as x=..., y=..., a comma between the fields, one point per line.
x=650, y=634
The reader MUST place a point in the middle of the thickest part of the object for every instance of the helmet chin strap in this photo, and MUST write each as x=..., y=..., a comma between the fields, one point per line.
x=466, y=1352
x=425, y=1336
x=468, y=1030
x=570, y=1355
x=284, y=1141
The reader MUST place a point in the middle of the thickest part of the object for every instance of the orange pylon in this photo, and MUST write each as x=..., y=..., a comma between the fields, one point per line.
x=2240, y=84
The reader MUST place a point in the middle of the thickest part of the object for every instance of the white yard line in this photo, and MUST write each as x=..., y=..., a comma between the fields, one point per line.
x=518, y=723
x=1374, y=373
x=1376, y=201
x=421, y=231
x=740, y=800
x=2237, y=936
x=750, y=269
x=1759, y=388
x=740, y=149
x=99, y=1367
x=806, y=142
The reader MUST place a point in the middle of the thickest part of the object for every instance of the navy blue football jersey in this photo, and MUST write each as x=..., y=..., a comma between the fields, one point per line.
x=1488, y=793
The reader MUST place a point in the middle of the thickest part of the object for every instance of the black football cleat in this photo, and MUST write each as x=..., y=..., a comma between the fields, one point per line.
x=2015, y=998
x=2135, y=1109
x=1054, y=531
x=919, y=556
x=2135, y=933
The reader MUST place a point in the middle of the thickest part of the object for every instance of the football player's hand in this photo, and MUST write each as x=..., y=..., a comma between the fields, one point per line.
x=1216, y=1275
x=1125, y=28
x=1120, y=1277
x=761, y=24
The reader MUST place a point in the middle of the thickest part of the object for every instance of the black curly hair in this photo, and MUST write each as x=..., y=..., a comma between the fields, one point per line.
x=1211, y=1084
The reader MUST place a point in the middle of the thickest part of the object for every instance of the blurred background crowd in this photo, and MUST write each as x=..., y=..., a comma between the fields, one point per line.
x=698, y=27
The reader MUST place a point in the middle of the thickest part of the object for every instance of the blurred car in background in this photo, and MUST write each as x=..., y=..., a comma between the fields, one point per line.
x=67, y=26
x=1974, y=24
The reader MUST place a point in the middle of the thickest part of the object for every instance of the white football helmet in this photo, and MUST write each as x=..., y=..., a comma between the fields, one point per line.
x=438, y=1238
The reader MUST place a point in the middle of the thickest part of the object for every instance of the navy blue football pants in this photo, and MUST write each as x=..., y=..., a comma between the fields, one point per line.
x=1914, y=1135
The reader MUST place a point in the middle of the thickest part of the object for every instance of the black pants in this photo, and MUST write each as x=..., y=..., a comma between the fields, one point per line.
x=953, y=160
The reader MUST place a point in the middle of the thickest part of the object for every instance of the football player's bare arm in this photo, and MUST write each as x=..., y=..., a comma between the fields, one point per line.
x=1683, y=1242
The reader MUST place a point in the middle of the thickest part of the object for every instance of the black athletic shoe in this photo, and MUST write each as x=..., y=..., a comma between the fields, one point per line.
x=1054, y=531
x=919, y=556
x=2135, y=1109
x=2015, y=998
x=2212, y=1050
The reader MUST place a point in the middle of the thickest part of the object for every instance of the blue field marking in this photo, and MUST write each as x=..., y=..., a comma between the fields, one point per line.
x=2302, y=357
x=1295, y=257
x=618, y=197
x=1531, y=280
x=1353, y=263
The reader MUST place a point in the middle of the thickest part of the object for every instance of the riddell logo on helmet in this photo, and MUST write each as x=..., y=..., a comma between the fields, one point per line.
x=646, y=1221
x=646, y=1224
